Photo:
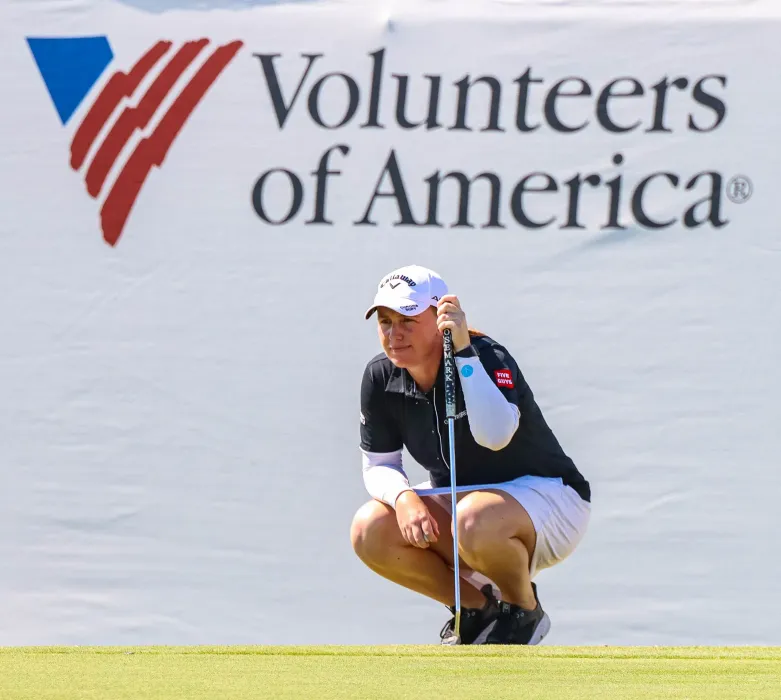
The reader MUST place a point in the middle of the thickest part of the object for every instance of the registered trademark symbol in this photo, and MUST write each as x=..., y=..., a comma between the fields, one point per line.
x=739, y=189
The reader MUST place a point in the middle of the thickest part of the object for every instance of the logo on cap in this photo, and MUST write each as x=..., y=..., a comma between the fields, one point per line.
x=402, y=278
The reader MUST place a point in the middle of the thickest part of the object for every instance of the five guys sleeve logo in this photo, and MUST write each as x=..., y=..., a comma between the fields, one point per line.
x=504, y=378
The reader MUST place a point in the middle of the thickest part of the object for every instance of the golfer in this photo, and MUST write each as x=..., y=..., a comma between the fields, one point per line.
x=523, y=506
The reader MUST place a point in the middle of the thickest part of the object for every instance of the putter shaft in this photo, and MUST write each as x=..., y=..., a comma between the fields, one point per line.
x=451, y=440
x=450, y=414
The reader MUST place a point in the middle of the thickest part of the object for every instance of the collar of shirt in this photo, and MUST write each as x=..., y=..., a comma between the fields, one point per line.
x=401, y=382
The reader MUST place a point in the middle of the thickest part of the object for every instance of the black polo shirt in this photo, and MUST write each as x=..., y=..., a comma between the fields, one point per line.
x=396, y=414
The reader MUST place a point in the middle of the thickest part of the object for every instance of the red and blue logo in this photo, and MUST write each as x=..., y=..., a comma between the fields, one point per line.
x=70, y=68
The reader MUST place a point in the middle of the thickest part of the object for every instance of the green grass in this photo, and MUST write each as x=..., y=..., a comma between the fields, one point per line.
x=389, y=672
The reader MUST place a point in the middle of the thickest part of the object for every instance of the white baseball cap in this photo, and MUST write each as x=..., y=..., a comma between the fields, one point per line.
x=410, y=290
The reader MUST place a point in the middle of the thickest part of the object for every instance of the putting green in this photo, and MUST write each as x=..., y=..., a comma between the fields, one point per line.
x=395, y=673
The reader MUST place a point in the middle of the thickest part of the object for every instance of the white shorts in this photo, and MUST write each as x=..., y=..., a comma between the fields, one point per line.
x=560, y=517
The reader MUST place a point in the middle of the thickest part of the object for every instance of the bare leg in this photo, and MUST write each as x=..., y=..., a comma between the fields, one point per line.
x=377, y=541
x=497, y=538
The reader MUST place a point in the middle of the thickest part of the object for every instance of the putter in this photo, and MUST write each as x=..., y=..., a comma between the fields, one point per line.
x=450, y=413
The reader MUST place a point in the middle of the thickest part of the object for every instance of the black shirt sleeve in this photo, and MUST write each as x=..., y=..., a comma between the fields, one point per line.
x=503, y=371
x=379, y=430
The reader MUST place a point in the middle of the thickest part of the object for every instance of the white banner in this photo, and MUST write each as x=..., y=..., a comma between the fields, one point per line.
x=197, y=206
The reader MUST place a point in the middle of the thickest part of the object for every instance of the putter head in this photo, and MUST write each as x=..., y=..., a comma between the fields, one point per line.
x=455, y=638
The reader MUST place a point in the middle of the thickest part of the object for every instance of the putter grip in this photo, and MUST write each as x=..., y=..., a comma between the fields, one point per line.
x=450, y=376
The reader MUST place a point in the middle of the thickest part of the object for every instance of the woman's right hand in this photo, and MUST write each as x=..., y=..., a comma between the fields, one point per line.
x=417, y=525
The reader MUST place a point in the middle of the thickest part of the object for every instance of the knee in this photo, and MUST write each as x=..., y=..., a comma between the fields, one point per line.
x=475, y=533
x=371, y=531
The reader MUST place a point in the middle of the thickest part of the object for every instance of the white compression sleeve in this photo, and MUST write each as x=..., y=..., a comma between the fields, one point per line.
x=383, y=476
x=493, y=420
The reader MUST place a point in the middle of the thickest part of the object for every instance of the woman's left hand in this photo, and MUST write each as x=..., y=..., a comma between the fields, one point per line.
x=451, y=315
